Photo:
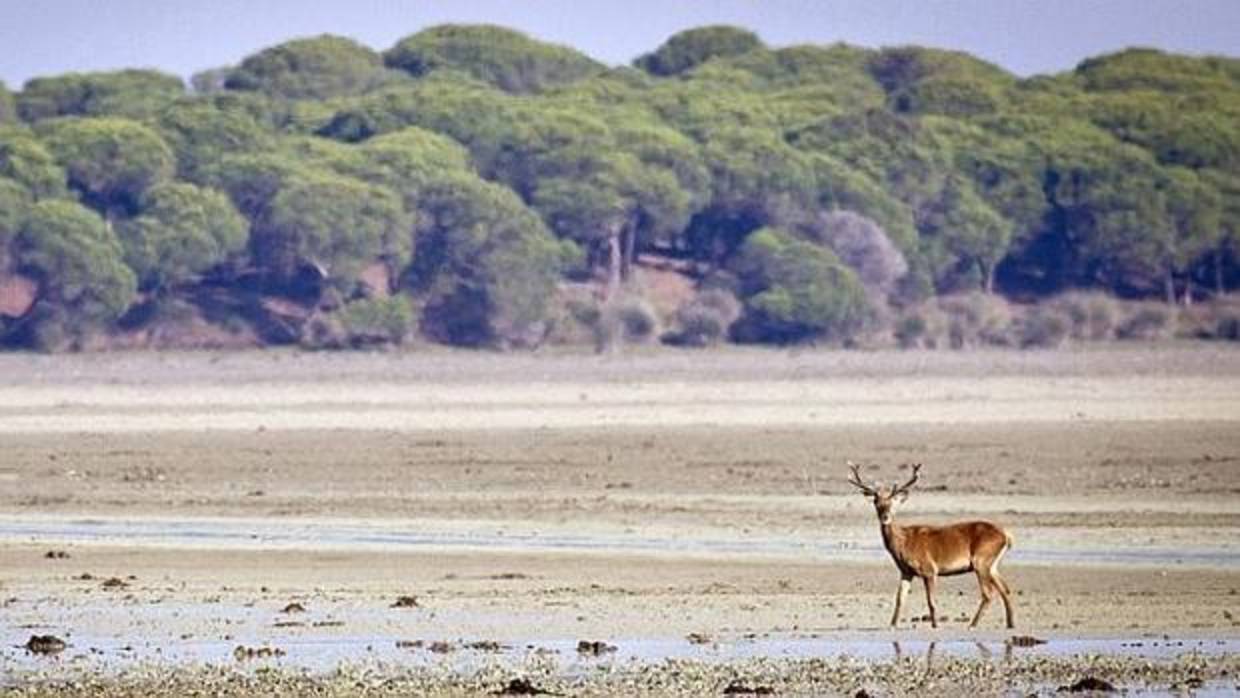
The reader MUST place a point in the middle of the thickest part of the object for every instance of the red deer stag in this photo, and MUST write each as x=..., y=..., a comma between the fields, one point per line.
x=930, y=552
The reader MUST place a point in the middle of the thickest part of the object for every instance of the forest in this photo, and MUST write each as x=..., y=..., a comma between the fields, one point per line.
x=473, y=186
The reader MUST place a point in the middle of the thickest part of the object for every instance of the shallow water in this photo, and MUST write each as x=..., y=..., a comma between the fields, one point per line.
x=332, y=535
x=113, y=636
x=110, y=655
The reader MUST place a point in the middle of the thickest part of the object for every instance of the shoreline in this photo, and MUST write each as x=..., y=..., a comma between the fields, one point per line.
x=517, y=540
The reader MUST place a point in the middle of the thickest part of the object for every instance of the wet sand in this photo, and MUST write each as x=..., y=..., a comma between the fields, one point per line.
x=640, y=502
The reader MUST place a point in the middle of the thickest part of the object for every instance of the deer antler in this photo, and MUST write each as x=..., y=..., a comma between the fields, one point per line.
x=855, y=479
x=911, y=481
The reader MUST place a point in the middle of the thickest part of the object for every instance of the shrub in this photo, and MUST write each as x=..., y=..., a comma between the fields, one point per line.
x=878, y=331
x=573, y=312
x=1228, y=325
x=372, y=321
x=607, y=333
x=636, y=318
x=976, y=319
x=1225, y=313
x=1092, y=316
x=699, y=327
x=49, y=329
x=909, y=330
x=1148, y=321
x=627, y=319
x=1216, y=319
x=923, y=326
x=705, y=319
x=324, y=331
x=1044, y=326
x=721, y=301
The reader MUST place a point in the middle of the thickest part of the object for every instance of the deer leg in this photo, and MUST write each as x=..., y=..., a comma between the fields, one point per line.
x=930, y=581
x=985, y=585
x=1005, y=593
x=901, y=595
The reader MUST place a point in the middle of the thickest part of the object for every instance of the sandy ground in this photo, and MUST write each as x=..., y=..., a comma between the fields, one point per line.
x=685, y=507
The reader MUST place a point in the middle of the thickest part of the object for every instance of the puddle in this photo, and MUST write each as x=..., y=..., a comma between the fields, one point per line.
x=396, y=536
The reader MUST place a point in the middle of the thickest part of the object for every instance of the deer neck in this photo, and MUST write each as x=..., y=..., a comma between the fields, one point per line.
x=893, y=537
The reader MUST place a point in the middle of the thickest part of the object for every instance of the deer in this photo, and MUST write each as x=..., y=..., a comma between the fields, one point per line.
x=930, y=552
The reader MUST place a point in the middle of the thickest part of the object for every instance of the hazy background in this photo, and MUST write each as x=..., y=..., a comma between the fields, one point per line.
x=45, y=37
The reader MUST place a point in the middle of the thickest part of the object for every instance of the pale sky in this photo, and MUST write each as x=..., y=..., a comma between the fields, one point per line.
x=46, y=37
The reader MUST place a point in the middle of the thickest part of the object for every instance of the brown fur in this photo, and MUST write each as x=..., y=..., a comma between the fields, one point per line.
x=930, y=552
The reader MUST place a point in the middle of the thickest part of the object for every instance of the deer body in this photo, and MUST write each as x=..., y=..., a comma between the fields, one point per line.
x=930, y=552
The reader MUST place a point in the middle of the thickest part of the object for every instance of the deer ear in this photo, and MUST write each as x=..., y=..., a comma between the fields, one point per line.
x=902, y=497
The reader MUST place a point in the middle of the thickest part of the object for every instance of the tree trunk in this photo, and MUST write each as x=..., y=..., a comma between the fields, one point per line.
x=614, y=258
x=1218, y=272
x=1187, y=298
x=1169, y=287
x=630, y=248
x=988, y=277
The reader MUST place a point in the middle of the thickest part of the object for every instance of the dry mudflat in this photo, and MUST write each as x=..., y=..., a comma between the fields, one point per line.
x=394, y=524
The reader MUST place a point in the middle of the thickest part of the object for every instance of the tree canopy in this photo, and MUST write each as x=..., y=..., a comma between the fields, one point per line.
x=315, y=68
x=8, y=106
x=333, y=222
x=182, y=231
x=691, y=48
x=491, y=264
x=495, y=55
x=490, y=189
x=111, y=161
x=129, y=93
x=794, y=290
x=78, y=263
x=27, y=160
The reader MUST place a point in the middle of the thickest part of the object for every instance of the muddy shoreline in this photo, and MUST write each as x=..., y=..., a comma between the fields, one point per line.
x=692, y=515
x=540, y=674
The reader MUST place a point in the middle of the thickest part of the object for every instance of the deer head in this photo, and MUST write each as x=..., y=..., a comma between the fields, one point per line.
x=885, y=499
